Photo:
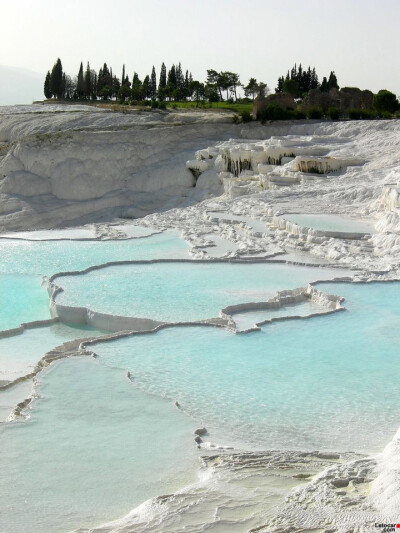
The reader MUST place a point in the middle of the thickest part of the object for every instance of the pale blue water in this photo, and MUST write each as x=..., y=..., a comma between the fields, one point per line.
x=249, y=319
x=95, y=446
x=46, y=258
x=331, y=223
x=331, y=382
x=22, y=265
x=22, y=299
x=20, y=354
x=182, y=291
x=9, y=398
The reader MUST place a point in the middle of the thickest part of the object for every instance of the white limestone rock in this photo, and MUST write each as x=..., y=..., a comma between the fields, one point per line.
x=25, y=183
x=10, y=163
x=209, y=180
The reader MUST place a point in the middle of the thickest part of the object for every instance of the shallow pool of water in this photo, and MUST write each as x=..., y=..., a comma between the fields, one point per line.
x=20, y=354
x=330, y=382
x=249, y=319
x=49, y=257
x=23, y=263
x=182, y=291
x=23, y=299
x=94, y=447
x=332, y=223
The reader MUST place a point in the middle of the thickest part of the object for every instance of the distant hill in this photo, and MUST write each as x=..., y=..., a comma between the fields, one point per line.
x=20, y=86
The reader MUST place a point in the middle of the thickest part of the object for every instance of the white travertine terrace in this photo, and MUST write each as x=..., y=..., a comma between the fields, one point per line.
x=85, y=165
x=322, y=165
x=309, y=233
x=328, y=302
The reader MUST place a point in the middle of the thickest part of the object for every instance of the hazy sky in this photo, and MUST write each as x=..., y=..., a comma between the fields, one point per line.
x=358, y=39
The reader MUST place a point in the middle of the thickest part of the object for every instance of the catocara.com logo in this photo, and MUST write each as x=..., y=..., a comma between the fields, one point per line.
x=388, y=528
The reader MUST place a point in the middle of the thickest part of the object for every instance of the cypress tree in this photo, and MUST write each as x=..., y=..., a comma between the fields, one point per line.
x=162, y=83
x=153, y=83
x=332, y=81
x=314, y=83
x=172, y=77
x=93, y=80
x=116, y=86
x=99, y=84
x=180, y=80
x=47, y=92
x=56, y=79
x=146, y=87
x=80, y=86
x=87, y=83
x=163, y=77
x=324, y=85
x=299, y=74
x=137, y=88
x=279, y=87
x=104, y=82
x=171, y=83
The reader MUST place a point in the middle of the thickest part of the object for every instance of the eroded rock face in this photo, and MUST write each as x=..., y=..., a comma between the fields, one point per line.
x=93, y=164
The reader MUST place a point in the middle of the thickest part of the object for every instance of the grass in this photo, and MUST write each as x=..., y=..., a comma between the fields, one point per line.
x=115, y=106
x=238, y=108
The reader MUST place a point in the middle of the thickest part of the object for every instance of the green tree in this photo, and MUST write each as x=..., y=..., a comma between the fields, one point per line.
x=279, y=87
x=162, y=83
x=251, y=88
x=146, y=87
x=47, y=92
x=314, y=83
x=56, y=80
x=87, y=82
x=80, y=84
x=385, y=101
x=137, y=88
x=104, y=80
x=262, y=90
x=171, y=80
x=116, y=86
x=171, y=87
x=198, y=91
x=324, y=85
x=180, y=80
x=332, y=81
x=291, y=87
x=153, y=83
x=211, y=93
x=213, y=79
x=123, y=78
x=233, y=82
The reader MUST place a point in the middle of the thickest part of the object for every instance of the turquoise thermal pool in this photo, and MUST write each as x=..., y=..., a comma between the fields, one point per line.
x=48, y=257
x=94, y=447
x=103, y=433
x=23, y=299
x=19, y=354
x=294, y=385
x=161, y=290
x=23, y=264
x=331, y=223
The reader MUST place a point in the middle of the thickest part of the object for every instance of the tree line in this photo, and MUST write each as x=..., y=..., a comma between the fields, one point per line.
x=299, y=81
x=173, y=85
